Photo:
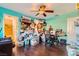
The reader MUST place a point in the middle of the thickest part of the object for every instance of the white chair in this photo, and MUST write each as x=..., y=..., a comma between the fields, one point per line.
x=35, y=40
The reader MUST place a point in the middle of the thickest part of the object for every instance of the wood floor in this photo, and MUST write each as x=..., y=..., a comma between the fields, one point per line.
x=40, y=50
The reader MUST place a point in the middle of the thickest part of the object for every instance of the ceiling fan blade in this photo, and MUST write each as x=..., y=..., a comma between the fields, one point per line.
x=34, y=10
x=49, y=11
x=44, y=15
x=37, y=14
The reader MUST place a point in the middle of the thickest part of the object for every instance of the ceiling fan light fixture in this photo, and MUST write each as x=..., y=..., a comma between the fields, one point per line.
x=43, y=10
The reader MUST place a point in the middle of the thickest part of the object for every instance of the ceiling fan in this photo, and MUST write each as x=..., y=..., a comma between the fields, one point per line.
x=42, y=10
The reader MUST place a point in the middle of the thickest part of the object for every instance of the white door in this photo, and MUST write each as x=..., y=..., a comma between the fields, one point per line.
x=71, y=32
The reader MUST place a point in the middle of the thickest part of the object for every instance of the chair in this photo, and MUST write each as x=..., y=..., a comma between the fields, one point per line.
x=6, y=46
x=63, y=42
x=52, y=39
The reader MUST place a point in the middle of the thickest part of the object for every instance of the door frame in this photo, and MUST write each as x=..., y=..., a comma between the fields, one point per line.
x=71, y=27
x=12, y=22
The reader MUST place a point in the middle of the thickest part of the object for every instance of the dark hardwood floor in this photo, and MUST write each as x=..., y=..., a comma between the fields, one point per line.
x=40, y=50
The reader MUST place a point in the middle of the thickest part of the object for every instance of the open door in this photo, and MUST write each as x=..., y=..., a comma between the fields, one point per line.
x=71, y=29
x=10, y=27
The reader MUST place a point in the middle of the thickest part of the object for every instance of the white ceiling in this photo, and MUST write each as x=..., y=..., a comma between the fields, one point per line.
x=25, y=8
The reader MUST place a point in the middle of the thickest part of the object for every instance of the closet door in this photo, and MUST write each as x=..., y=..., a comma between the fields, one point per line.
x=71, y=34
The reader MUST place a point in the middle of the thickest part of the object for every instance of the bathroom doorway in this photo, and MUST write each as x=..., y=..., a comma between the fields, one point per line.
x=11, y=27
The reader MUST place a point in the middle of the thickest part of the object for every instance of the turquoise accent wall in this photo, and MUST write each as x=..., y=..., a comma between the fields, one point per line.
x=10, y=12
x=60, y=22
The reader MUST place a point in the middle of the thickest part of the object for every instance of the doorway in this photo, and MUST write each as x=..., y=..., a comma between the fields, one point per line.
x=72, y=30
x=11, y=27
